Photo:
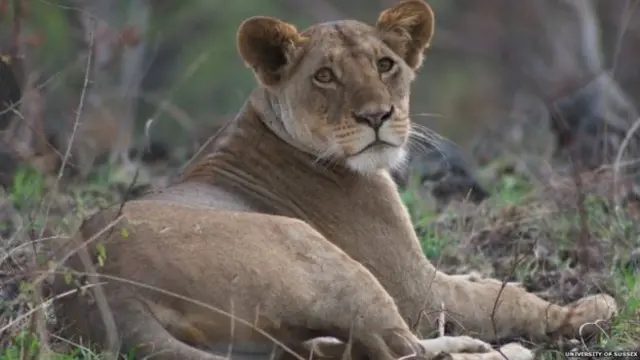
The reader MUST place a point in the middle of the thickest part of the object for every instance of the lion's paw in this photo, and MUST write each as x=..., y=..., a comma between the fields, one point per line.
x=325, y=347
x=512, y=351
x=455, y=344
x=515, y=351
x=588, y=311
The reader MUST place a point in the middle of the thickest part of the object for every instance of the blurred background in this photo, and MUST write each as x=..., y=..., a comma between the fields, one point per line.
x=492, y=70
x=515, y=85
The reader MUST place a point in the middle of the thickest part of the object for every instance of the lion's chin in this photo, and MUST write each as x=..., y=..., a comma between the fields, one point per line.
x=372, y=160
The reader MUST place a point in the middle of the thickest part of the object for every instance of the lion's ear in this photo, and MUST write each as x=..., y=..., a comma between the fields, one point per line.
x=268, y=45
x=407, y=29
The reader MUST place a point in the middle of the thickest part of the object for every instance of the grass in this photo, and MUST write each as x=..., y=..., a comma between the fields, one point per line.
x=544, y=235
x=26, y=196
x=518, y=221
x=26, y=345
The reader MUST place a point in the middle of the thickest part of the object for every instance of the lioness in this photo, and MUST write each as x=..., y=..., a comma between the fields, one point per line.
x=291, y=221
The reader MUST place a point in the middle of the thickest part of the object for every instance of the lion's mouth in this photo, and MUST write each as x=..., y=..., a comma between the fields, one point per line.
x=376, y=144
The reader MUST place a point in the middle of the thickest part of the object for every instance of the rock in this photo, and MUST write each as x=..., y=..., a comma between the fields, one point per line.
x=445, y=173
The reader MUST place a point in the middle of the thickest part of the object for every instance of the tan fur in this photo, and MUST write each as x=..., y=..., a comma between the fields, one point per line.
x=289, y=224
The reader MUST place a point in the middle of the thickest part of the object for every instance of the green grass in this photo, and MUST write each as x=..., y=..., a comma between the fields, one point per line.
x=26, y=346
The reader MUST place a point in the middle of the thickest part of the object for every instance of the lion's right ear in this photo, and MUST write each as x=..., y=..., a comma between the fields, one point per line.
x=268, y=45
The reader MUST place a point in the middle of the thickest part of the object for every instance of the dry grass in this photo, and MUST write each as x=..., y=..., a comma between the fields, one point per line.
x=543, y=238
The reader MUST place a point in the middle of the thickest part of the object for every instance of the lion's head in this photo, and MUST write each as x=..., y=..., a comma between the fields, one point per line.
x=342, y=88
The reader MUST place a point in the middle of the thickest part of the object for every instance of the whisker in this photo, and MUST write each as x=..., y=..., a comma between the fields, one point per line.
x=427, y=115
x=427, y=151
x=418, y=145
x=428, y=145
x=328, y=155
x=322, y=156
x=403, y=165
x=425, y=137
x=425, y=130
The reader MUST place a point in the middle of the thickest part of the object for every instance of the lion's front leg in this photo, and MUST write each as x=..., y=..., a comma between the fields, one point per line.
x=455, y=344
x=444, y=347
x=489, y=310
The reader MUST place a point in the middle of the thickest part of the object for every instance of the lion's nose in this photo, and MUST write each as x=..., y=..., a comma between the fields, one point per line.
x=374, y=118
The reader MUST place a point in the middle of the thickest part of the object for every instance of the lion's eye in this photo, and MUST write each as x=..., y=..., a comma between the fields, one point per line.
x=324, y=75
x=385, y=65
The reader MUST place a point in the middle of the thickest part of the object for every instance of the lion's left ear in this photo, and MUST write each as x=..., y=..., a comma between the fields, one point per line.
x=407, y=29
